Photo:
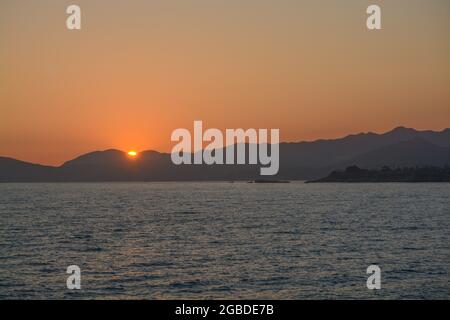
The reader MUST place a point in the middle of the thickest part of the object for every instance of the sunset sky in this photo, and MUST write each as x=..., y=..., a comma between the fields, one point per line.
x=140, y=69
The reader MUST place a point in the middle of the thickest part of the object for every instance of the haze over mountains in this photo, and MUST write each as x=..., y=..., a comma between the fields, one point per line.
x=400, y=147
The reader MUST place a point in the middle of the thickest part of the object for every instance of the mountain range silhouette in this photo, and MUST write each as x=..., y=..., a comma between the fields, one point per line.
x=400, y=147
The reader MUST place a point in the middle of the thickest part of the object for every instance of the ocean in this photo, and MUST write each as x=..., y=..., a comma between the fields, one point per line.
x=220, y=240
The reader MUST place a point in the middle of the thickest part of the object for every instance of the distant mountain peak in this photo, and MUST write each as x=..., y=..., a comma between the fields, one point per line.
x=402, y=129
x=96, y=157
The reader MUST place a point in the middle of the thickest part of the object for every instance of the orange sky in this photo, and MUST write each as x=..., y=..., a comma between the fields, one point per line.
x=140, y=69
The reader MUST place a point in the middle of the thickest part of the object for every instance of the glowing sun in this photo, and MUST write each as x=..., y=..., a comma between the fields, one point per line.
x=132, y=153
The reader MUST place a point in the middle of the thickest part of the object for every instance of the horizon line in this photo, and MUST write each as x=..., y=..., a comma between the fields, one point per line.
x=282, y=142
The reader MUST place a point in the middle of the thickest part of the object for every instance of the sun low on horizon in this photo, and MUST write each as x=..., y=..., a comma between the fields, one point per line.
x=132, y=154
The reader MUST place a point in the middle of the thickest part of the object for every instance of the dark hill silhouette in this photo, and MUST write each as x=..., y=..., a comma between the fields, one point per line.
x=324, y=153
x=109, y=157
x=415, y=152
x=20, y=171
x=298, y=161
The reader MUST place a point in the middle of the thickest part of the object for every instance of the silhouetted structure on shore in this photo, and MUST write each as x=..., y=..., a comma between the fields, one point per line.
x=387, y=174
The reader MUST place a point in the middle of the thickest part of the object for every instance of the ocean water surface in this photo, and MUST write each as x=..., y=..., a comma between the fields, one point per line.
x=224, y=240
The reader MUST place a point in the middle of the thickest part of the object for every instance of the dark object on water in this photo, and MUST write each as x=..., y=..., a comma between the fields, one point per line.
x=269, y=181
x=387, y=174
